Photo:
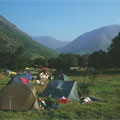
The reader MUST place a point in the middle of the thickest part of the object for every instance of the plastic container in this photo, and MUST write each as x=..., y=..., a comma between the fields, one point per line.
x=63, y=100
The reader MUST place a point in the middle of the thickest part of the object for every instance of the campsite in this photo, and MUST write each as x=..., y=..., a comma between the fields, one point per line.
x=105, y=88
x=59, y=60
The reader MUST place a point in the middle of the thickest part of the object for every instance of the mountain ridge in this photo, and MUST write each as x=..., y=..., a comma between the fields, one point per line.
x=50, y=42
x=98, y=39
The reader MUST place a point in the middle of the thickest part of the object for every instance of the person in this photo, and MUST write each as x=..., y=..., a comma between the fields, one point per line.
x=40, y=75
x=42, y=103
x=50, y=76
x=93, y=99
x=88, y=99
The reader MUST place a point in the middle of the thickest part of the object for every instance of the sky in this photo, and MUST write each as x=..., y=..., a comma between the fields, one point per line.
x=64, y=20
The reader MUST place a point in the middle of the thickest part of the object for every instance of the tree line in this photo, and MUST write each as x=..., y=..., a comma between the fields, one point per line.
x=98, y=59
x=17, y=60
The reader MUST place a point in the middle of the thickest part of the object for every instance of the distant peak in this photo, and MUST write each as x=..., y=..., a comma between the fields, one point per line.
x=113, y=25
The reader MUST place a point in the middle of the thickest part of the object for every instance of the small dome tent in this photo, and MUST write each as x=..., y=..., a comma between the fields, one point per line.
x=61, y=76
x=18, y=79
x=17, y=97
x=59, y=88
x=27, y=76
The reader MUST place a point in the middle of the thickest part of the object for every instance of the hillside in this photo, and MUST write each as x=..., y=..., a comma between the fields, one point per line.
x=50, y=42
x=95, y=40
x=11, y=38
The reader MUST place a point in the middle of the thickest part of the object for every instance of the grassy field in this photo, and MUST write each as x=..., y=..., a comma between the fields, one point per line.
x=104, y=87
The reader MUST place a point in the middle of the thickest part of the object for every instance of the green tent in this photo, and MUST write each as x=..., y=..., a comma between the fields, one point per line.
x=61, y=76
x=59, y=88
x=18, y=96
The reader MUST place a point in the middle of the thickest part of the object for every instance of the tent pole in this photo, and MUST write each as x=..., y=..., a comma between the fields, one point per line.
x=10, y=102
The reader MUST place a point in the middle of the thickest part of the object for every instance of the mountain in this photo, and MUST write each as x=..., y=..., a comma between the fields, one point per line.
x=95, y=40
x=50, y=42
x=11, y=38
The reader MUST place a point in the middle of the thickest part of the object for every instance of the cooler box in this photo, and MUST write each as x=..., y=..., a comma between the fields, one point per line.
x=63, y=100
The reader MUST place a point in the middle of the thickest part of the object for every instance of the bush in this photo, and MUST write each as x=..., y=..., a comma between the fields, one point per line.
x=84, y=88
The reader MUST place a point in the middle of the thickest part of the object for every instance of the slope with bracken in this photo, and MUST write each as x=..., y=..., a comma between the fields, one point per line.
x=11, y=38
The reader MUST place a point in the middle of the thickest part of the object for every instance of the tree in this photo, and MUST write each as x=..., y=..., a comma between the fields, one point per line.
x=18, y=58
x=83, y=60
x=114, y=52
x=98, y=59
x=5, y=59
x=52, y=63
x=14, y=60
x=65, y=61
x=40, y=62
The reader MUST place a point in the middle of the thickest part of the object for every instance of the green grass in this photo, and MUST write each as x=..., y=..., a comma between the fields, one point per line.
x=106, y=89
x=3, y=80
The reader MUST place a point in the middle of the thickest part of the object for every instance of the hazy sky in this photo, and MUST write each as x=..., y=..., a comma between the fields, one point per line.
x=62, y=19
